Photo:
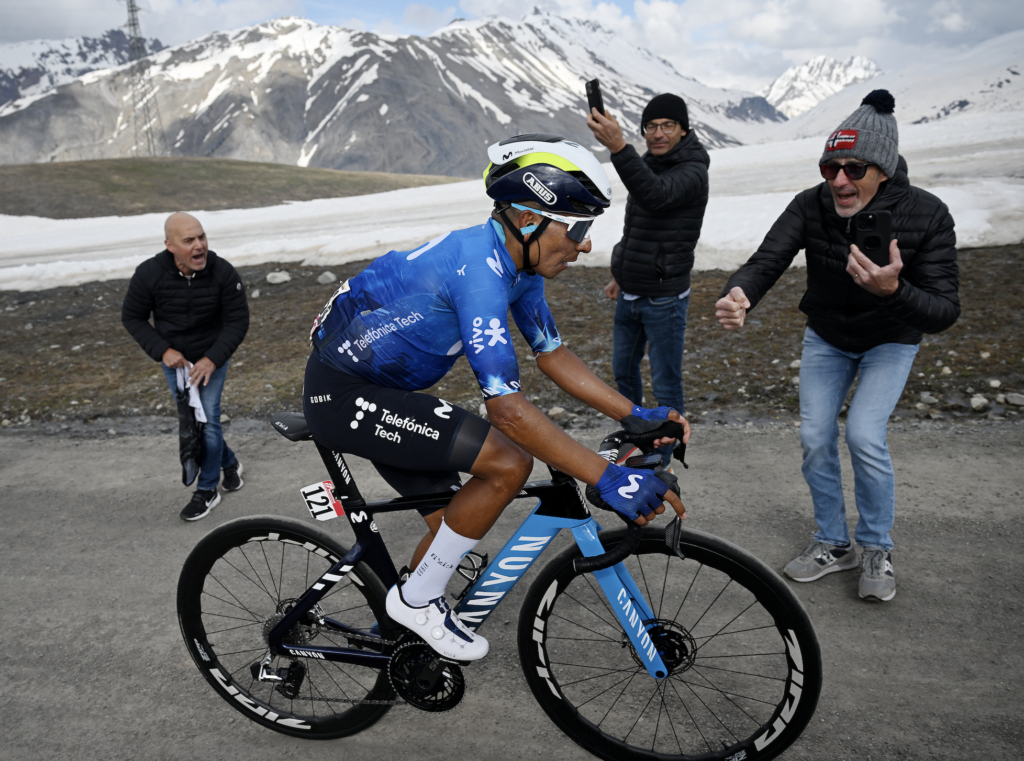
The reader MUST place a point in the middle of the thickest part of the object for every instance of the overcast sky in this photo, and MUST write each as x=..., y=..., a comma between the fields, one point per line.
x=729, y=43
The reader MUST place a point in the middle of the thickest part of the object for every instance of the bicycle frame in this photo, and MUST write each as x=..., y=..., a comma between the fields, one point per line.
x=559, y=506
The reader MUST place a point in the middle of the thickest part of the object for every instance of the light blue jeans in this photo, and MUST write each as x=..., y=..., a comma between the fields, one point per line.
x=216, y=453
x=826, y=374
x=659, y=326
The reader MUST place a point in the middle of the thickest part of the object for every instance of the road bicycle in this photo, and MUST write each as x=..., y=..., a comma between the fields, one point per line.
x=653, y=643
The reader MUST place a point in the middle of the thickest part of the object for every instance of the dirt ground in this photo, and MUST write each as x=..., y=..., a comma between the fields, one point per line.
x=68, y=361
x=94, y=665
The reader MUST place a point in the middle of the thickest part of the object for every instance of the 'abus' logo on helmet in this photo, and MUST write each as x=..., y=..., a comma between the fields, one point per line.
x=539, y=188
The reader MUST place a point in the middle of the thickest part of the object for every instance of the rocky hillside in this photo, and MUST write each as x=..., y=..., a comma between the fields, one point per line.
x=290, y=91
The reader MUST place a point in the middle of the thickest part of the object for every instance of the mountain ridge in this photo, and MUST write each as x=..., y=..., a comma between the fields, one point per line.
x=30, y=68
x=290, y=91
x=800, y=88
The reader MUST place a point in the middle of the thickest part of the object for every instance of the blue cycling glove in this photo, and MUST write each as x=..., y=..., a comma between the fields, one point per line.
x=643, y=420
x=631, y=492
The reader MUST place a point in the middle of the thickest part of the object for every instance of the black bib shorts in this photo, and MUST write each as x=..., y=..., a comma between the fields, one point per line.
x=417, y=442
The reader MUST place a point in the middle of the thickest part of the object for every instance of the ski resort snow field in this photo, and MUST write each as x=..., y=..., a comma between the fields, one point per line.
x=969, y=162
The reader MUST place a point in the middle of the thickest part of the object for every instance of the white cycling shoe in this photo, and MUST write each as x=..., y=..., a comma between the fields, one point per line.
x=438, y=626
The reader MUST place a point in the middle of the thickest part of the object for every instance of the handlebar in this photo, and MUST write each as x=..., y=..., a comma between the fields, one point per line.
x=609, y=449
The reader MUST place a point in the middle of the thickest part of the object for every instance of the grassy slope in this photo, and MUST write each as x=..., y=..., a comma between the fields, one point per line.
x=123, y=187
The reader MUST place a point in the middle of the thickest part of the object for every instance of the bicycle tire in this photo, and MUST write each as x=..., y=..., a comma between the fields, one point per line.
x=238, y=578
x=745, y=665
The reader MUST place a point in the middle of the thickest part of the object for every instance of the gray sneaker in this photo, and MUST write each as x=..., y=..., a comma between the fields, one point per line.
x=877, y=582
x=819, y=558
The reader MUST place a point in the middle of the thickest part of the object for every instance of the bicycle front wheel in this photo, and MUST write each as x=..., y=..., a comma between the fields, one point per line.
x=744, y=662
x=238, y=582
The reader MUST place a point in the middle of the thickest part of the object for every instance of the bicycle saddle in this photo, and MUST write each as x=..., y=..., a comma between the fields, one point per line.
x=291, y=425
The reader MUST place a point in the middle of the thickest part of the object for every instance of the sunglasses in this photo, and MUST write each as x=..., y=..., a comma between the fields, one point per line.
x=853, y=171
x=579, y=227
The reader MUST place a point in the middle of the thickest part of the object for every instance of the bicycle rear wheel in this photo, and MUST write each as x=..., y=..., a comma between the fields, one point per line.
x=745, y=666
x=237, y=583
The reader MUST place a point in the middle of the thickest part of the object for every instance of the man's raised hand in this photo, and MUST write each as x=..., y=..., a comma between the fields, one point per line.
x=881, y=281
x=606, y=130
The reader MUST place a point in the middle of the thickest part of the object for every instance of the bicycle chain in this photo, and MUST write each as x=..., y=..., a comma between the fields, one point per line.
x=376, y=641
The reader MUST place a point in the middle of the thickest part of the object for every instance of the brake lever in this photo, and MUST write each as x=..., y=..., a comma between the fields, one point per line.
x=673, y=531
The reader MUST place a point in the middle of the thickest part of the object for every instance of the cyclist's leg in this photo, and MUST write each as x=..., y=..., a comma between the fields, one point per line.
x=395, y=428
x=410, y=483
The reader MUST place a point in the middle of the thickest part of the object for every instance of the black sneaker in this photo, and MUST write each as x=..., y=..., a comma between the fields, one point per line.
x=203, y=501
x=232, y=480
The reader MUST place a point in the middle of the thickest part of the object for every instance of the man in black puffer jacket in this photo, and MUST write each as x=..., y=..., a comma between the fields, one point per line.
x=200, y=317
x=861, y=317
x=668, y=192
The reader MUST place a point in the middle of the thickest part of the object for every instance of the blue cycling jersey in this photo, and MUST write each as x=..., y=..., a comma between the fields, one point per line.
x=404, y=320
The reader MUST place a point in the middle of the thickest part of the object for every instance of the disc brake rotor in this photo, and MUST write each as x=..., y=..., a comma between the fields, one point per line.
x=675, y=645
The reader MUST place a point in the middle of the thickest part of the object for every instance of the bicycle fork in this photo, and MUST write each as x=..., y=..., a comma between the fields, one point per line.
x=631, y=609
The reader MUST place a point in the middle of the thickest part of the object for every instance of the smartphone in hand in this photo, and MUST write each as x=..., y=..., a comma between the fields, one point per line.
x=872, y=232
x=594, y=99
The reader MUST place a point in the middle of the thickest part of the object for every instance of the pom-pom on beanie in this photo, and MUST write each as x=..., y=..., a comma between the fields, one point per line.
x=868, y=134
x=666, y=106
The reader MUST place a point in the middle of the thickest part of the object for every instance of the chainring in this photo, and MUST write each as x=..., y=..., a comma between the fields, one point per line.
x=675, y=645
x=424, y=679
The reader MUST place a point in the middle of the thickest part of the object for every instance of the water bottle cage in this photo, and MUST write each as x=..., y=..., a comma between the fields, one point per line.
x=471, y=568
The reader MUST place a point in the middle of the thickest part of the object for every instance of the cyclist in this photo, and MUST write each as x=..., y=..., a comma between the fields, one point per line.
x=400, y=325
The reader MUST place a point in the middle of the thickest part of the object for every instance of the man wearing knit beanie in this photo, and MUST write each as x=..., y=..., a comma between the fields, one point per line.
x=668, y=192
x=863, y=319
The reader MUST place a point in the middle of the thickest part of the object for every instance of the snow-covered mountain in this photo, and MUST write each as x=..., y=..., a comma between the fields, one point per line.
x=801, y=88
x=30, y=68
x=986, y=78
x=292, y=91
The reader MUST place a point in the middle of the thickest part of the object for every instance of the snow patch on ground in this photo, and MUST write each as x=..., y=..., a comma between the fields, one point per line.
x=968, y=162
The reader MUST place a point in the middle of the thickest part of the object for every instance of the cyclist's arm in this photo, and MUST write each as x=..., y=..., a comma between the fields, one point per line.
x=531, y=429
x=573, y=376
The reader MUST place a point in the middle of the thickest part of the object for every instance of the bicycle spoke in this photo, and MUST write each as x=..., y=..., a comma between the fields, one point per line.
x=734, y=618
x=693, y=721
x=664, y=587
x=742, y=673
x=270, y=572
x=612, y=623
x=693, y=581
x=585, y=628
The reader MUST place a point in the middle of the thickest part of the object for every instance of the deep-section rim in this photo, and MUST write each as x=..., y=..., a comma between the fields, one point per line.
x=747, y=570
x=194, y=571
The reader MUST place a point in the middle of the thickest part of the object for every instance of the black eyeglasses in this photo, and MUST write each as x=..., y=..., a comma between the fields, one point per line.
x=668, y=127
x=853, y=171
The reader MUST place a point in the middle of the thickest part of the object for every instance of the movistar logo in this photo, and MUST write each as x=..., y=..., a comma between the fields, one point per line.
x=539, y=188
x=626, y=492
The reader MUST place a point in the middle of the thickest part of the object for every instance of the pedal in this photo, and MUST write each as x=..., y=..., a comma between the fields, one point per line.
x=474, y=570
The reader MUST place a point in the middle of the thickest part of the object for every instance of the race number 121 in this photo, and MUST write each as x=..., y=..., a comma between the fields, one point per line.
x=321, y=502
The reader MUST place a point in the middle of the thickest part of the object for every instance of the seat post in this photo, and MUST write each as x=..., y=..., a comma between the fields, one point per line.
x=345, y=487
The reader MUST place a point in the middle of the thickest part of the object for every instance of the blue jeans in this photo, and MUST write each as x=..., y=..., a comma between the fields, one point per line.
x=826, y=374
x=216, y=454
x=659, y=325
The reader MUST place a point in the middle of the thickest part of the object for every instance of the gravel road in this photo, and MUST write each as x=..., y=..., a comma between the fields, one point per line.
x=94, y=665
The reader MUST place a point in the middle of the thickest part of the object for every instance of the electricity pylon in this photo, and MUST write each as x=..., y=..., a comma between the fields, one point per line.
x=149, y=129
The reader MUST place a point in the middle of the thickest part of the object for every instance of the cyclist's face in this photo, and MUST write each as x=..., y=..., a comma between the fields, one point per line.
x=557, y=250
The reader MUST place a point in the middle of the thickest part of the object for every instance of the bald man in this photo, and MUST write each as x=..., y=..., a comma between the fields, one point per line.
x=200, y=317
